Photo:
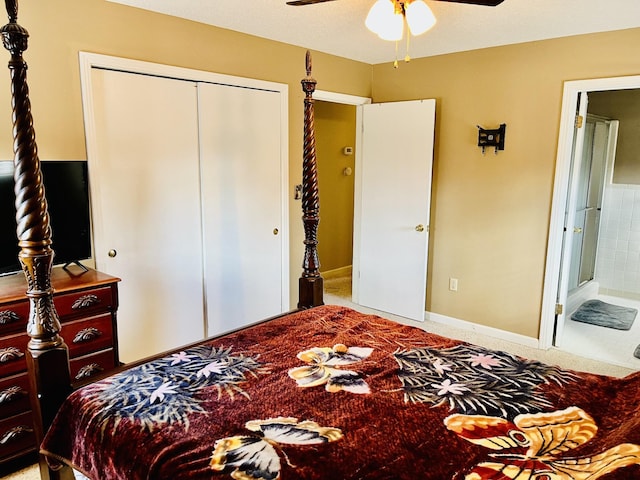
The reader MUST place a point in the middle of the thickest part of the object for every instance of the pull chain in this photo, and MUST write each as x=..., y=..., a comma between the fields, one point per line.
x=395, y=63
x=407, y=58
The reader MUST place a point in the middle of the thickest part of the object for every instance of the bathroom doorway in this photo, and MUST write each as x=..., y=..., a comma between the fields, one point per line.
x=599, y=256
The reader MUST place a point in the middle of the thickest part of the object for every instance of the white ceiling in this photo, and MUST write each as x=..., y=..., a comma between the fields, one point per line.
x=337, y=27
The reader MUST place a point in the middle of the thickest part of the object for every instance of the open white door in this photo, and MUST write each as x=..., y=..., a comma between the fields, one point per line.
x=570, y=228
x=393, y=195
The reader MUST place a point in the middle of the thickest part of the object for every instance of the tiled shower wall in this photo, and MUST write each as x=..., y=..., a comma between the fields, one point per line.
x=618, y=255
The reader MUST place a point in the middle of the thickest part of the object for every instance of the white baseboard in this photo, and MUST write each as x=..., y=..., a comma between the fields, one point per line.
x=483, y=330
x=337, y=272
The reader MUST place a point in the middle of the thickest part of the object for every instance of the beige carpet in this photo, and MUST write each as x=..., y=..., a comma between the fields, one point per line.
x=338, y=292
x=29, y=473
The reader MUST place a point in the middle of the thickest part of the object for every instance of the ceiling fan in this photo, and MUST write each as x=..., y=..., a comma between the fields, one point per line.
x=387, y=18
x=486, y=3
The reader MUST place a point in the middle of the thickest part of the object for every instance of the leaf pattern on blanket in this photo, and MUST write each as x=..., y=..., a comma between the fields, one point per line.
x=166, y=391
x=531, y=446
x=255, y=457
x=322, y=368
x=471, y=379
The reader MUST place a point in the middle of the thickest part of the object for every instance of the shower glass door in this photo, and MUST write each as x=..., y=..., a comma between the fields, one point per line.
x=588, y=202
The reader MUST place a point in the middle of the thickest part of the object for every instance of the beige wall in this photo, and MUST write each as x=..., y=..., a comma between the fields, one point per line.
x=490, y=214
x=335, y=129
x=60, y=29
x=622, y=105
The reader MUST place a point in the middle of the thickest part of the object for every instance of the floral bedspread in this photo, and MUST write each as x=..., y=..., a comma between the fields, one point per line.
x=331, y=393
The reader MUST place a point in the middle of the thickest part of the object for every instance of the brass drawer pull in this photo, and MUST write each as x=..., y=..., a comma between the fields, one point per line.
x=88, y=370
x=8, y=316
x=15, y=433
x=85, y=301
x=10, y=394
x=10, y=354
x=86, y=335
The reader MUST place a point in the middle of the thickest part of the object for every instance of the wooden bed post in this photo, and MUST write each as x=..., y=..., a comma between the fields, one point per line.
x=47, y=355
x=310, y=284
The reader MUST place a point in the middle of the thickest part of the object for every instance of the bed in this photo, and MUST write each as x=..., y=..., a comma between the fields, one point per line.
x=324, y=392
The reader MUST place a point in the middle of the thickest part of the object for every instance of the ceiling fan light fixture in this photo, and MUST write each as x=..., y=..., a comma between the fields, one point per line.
x=386, y=18
x=393, y=29
x=379, y=15
x=420, y=18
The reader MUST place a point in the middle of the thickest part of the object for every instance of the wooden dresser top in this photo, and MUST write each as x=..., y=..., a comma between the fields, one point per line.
x=14, y=287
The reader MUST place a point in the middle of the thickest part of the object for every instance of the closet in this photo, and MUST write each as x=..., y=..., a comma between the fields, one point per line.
x=188, y=179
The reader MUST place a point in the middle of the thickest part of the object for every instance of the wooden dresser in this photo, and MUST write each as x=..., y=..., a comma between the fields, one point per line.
x=86, y=303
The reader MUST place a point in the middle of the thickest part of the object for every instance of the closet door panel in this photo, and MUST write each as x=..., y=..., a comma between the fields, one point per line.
x=144, y=166
x=242, y=206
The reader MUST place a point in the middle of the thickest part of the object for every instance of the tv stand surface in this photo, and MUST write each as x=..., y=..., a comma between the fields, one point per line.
x=86, y=302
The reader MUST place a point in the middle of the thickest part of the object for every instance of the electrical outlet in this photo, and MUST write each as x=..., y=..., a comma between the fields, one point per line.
x=453, y=284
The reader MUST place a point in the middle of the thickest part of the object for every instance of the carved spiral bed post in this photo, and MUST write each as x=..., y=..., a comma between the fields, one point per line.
x=310, y=283
x=47, y=355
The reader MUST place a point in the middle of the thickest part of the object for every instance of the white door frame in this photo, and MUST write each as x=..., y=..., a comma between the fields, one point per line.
x=570, y=94
x=89, y=60
x=357, y=201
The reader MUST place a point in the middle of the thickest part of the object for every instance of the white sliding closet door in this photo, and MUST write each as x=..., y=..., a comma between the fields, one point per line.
x=144, y=167
x=243, y=215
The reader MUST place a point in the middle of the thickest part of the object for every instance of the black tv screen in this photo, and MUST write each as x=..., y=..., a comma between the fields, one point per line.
x=66, y=186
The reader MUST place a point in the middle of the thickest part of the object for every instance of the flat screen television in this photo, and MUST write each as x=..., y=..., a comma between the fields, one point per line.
x=66, y=185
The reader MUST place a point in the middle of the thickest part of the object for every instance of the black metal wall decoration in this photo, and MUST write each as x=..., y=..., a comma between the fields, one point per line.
x=492, y=138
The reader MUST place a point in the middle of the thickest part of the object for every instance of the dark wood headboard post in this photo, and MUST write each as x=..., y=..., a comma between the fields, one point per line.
x=47, y=355
x=310, y=283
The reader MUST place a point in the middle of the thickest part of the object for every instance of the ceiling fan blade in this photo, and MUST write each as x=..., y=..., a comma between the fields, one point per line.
x=486, y=3
x=297, y=3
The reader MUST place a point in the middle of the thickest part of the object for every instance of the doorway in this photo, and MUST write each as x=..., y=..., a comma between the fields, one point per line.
x=335, y=125
x=609, y=273
x=337, y=115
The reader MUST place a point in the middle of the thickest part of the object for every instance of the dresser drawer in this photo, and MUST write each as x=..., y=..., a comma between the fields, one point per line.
x=93, y=364
x=84, y=302
x=16, y=435
x=14, y=395
x=12, y=354
x=14, y=317
x=88, y=335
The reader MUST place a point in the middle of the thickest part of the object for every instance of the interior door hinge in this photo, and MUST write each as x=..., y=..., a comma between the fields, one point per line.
x=579, y=121
x=559, y=308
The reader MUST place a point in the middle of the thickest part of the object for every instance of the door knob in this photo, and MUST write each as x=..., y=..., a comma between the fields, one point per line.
x=112, y=253
x=420, y=228
x=275, y=231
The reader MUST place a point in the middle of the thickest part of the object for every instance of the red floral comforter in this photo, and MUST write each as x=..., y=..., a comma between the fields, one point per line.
x=331, y=393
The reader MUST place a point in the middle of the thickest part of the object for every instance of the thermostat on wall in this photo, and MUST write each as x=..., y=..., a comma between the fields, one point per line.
x=347, y=150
